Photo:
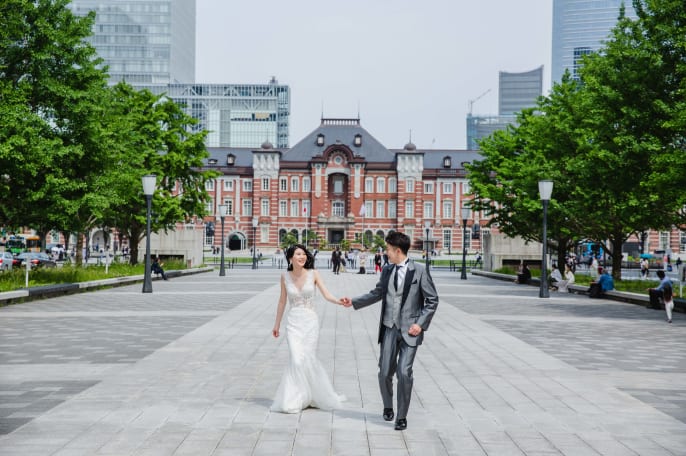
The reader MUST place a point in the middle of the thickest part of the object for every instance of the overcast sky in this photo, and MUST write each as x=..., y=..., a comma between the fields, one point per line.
x=406, y=64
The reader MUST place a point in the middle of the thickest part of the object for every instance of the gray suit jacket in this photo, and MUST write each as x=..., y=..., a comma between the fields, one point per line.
x=418, y=305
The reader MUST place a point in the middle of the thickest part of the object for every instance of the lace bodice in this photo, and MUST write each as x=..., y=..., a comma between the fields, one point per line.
x=304, y=297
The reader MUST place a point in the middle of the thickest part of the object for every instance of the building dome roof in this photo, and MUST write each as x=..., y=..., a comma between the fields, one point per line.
x=410, y=147
x=267, y=145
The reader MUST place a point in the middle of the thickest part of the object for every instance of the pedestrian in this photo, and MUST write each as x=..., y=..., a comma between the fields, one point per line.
x=336, y=260
x=363, y=262
x=408, y=303
x=645, y=268
x=656, y=293
x=305, y=382
x=593, y=269
x=377, y=262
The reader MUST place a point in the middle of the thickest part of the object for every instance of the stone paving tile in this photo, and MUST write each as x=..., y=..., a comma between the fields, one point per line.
x=480, y=388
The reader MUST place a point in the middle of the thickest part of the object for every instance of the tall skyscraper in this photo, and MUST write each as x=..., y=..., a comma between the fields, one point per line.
x=151, y=45
x=516, y=91
x=144, y=41
x=519, y=90
x=580, y=27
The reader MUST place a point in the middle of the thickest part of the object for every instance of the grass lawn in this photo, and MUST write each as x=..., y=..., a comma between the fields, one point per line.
x=16, y=279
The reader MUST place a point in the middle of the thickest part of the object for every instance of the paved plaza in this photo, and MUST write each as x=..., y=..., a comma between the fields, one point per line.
x=191, y=369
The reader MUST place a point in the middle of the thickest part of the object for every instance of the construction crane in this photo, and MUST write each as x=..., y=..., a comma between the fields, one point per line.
x=472, y=101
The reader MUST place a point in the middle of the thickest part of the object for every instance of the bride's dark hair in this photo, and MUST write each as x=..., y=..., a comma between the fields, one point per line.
x=290, y=251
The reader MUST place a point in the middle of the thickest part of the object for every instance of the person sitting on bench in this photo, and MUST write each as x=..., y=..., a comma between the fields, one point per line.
x=604, y=283
x=157, y=268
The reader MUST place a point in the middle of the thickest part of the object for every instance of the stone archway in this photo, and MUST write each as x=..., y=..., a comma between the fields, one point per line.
x=236, y=241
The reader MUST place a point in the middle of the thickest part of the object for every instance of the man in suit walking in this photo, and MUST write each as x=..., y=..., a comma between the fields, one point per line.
x=409, y=300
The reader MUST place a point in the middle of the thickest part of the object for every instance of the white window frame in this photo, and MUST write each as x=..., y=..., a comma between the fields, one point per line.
x=380, y=185
x=409, y=209
x=428, y=209
x=247, y=185
x=264, y=207
x=392, y=185
x=228, y=185
x=306, y=184
x=295, y=184
x=447, y=209
x=369, y=185
x=265, y=183
x=247, y=207
x=447, y=188
x=283, y=208
x=428, y=187
x=283, y=184
x=381, y=209
x=392, y=208
x=409, y=185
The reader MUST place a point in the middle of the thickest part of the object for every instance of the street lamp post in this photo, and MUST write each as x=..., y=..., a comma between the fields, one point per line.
x=427, y=226
x=466, y=213
x=149, y=181
x=223, y=208
x=254, y=248
x=545, y=188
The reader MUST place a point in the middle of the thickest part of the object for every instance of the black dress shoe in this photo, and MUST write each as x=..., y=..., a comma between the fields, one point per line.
x=388, y=414
x=401, y=424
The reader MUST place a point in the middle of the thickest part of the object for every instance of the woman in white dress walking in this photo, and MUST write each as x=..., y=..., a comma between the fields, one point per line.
x=305, y=382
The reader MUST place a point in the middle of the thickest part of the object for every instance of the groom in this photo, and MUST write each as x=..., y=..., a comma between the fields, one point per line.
x=408, y=302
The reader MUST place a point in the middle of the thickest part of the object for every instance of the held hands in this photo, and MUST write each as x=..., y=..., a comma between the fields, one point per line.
x=345, y=301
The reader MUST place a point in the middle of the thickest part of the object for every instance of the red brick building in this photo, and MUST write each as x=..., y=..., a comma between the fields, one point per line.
x=340, y=182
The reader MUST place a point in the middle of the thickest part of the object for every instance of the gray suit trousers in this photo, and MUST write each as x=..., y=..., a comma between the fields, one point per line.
x=396, y=357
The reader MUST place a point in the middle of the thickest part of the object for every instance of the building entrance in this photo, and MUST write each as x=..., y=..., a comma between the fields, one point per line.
x=336, y=236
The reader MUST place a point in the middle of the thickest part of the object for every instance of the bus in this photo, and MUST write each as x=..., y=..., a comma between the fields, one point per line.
x=23, y=243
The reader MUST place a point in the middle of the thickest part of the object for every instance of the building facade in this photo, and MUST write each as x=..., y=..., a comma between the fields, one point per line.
x=342, y=184
x=580, y=27
x=144, y=41
x=517, y=91
x=236, y=115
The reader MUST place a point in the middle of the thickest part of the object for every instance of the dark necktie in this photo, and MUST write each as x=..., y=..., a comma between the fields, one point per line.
x=395, y=276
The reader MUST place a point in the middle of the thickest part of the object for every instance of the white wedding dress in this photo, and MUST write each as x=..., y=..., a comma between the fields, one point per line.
x=305, y=382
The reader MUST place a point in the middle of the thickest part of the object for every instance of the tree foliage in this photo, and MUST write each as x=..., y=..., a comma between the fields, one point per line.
x=72, y=149
x=612, y=143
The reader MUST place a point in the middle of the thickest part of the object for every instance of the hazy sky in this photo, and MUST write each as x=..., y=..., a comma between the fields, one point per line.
x=407, y=65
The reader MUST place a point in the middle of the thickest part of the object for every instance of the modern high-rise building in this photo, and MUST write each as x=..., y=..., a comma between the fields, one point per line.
x=144, y=41
x=516, y=91
x=579, y=28
x=150, y=44
x=236, y=115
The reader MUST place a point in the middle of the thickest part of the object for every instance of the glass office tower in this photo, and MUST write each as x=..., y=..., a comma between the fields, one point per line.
x=519, y=90
x=144, y=41
x=237, y=115
x=516, y=91
x=580, y=27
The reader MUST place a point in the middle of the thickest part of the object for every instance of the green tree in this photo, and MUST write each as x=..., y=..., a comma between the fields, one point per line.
x=151, y=134
x=53, y=151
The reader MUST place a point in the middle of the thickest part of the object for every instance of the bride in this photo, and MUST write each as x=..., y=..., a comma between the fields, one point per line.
x=304, y=383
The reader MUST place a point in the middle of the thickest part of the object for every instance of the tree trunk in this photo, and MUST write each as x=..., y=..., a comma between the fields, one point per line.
x=135, y=236
x=79, y=250
x=617, y=257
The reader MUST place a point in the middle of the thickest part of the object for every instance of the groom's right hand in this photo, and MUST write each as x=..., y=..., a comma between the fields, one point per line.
x=346, y=301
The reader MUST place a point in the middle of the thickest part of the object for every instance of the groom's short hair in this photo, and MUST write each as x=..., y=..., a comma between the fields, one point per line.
x=400, y=240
